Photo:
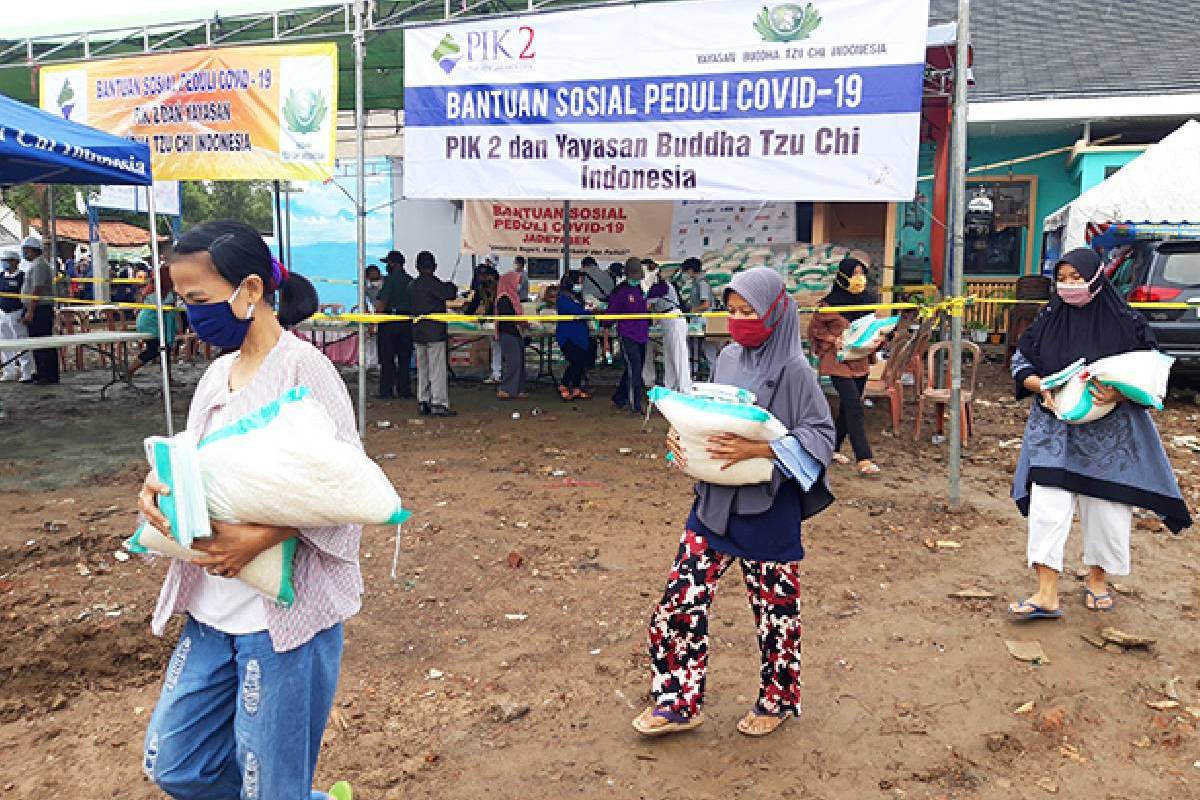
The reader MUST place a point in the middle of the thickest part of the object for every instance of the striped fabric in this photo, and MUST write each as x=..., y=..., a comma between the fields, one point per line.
x=326, y=574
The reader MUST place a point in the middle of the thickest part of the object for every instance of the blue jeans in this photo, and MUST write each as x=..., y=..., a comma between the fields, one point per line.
x=235, y=719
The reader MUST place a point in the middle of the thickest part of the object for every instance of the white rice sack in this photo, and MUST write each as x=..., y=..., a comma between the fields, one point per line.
x=865, y=335
x=269, y=573
x=280, y=465
x=284, y=465
x=715, y=409
x=1141, y=375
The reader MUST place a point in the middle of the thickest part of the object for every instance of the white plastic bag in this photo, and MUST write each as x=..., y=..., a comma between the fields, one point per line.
x=714, y=409
x=865, y=335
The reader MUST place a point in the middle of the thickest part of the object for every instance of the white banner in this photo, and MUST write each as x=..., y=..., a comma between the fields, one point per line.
x=702, y=100
x=698, y=227
x=133, y=198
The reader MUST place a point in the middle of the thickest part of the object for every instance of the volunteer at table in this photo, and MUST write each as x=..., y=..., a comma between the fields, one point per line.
x=849, y=378
x=627, y=298
x=39, y=312
x=759, y=524
x=1100, y=469
x=250, y=685
x=12, y=316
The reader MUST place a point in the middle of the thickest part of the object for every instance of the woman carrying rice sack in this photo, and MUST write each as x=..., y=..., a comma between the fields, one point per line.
x=757, y=524
x=849, y=378
x=250, y=685
x=1101, y=468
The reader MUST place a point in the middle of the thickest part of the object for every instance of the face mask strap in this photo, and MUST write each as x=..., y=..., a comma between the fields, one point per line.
x=249, y=311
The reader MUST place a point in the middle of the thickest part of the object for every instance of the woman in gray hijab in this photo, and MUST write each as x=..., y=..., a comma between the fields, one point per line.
x=758, y=524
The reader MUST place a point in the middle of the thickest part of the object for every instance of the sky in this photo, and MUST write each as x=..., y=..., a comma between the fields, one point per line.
x=75, y=16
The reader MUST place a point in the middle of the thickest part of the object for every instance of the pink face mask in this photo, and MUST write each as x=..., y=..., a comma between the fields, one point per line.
x=1080, y=294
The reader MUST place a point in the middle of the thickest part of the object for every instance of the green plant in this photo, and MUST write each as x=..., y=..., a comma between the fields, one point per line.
x=978, y=325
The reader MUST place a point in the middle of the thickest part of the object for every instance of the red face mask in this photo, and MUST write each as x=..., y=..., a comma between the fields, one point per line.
x=752, y=333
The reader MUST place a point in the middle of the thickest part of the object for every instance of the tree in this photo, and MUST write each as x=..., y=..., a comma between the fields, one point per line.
x=247, y=201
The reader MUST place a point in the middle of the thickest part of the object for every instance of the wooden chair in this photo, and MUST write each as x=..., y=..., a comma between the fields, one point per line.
x=941, y=396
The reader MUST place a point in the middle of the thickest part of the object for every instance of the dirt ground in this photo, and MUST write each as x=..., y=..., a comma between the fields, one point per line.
x=507, y=658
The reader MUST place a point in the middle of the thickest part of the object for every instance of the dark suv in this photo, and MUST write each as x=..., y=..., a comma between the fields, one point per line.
x=1168, y=272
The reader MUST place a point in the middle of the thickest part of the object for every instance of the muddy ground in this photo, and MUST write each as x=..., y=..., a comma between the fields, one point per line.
x=507, y=658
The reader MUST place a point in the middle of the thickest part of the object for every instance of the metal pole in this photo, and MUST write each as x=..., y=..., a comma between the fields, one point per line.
x=566, y=262
x=52, y=232
x=287, y=226
x=278, y=221
x=958, y=184
x=360, y=201
x=158, y=303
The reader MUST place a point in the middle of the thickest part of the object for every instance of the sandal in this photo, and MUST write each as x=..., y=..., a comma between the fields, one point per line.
x=869, y=470
x=580, y=394
x=565, y=394
x=841, y=459
x=1035, y=612
x=675, y=722
x=749, y=724
x=1092, y=601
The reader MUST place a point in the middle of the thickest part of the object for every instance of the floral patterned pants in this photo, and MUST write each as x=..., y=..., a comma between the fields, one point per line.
x=679, y=629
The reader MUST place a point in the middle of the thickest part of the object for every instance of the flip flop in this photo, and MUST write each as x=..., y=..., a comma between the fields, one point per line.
x=744, y=728
x=841, y=459
x=676, y=723
x=1096, y=599
x=871, y=471
x=1036, y=612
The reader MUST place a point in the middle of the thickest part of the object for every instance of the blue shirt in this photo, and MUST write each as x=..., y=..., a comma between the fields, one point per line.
x=575, y=333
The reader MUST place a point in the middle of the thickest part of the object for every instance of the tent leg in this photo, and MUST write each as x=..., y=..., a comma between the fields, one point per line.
x=360, y=207
x=158, y=302
x=958, y=182
x=566, y=265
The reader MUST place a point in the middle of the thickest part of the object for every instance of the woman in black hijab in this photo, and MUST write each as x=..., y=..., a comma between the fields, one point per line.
x=1103, y=468
x=848, y=378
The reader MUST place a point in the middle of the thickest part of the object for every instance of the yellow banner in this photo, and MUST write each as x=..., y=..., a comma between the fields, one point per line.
x=225, y=114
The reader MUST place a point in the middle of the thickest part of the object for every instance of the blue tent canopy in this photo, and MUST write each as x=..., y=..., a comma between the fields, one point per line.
x=36, y=147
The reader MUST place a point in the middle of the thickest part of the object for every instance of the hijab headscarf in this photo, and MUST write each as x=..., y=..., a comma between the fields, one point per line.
x=510, y=287
x=840, y=294
x=1107, y=326
x=785, y=384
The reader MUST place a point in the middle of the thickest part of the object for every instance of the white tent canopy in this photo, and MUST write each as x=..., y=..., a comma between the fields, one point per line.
x=1160, y=185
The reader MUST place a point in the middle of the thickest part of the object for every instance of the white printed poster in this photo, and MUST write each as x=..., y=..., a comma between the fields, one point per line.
x=700, y=226
x=700, y=100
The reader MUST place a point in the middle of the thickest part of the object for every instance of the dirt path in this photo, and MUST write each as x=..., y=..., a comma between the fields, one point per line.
x=523, y=597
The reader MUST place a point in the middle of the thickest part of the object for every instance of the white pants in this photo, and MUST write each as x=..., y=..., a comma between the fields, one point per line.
x=1105, y=527
x=496, y=363
x=12, y=326
x=433, y=385
x=677, y=369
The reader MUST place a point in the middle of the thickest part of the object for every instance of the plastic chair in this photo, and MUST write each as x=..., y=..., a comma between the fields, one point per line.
x=941, y=396
x=71, y=321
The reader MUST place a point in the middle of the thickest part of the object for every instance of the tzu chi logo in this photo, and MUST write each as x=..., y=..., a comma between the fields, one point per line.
x=788, y=22
x=447, y=54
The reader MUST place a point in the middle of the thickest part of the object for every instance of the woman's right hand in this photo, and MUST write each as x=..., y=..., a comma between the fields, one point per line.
x=148, y=503
x=675, y=448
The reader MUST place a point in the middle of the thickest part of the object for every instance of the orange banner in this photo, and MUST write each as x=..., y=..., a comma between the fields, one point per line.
x=606, y=231
x=225, y=114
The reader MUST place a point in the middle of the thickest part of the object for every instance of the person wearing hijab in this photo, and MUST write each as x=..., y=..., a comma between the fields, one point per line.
x=627, y=298
x=573, y=337
x=663, y=298
x=1103, y=468
x=511, y=336
x=760, y=524
x=849, y=378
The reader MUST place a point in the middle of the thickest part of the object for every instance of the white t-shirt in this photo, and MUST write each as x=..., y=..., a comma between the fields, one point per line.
x=227, y=604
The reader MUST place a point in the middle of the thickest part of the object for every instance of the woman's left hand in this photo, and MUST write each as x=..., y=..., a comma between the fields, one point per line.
x=733, y=449
x=1104, y=394
x=235, y=545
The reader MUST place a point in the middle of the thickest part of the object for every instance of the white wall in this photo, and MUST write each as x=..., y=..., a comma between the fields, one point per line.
x=433, y=225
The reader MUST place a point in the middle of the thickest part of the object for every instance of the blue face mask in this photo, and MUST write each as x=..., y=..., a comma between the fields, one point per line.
x=216, y=324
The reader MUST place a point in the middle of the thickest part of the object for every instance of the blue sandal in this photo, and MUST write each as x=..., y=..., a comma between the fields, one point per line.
x=1035, y=612
x=1097, y=599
